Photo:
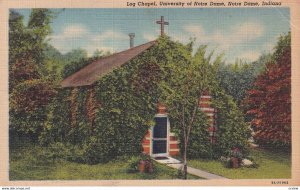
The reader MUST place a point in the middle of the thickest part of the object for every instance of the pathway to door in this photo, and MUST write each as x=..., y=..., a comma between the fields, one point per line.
x=173, y=163
x=197, y=172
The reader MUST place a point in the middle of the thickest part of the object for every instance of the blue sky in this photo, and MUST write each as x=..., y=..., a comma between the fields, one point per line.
x=238, y=32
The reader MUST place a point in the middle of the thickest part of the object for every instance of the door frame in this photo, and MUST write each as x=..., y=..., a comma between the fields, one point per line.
x=168, y=137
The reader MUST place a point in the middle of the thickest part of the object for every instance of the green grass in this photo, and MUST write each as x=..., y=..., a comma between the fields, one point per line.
x=26, y=165
x=271, y=165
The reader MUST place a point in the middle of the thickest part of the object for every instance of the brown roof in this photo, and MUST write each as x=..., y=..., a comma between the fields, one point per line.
x=93, y=71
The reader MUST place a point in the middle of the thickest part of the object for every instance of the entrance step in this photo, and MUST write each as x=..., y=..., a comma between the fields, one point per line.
x=166, y=160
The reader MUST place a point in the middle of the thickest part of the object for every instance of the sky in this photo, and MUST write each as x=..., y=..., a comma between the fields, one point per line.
x=239, y=33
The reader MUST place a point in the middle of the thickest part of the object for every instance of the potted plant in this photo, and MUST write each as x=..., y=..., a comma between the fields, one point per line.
x=145, y=164
x=235, y=157
x=149, y=165
x=142, y=166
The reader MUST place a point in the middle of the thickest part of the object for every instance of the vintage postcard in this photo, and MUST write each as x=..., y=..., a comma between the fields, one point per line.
x=131, y=92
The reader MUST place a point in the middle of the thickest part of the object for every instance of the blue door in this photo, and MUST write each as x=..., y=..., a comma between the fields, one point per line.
x=160, y=136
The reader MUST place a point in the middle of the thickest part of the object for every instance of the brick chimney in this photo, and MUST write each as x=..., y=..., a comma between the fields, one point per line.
x=131, y=37
x=161, y=108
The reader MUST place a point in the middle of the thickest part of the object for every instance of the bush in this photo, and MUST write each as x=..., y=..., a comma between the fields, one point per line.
x=58, y=120
x=96, y=151
x=133, y=165
x=77, y=154
x=227, y=164
x=38, y=155
x=57, y=151
x=232, y=129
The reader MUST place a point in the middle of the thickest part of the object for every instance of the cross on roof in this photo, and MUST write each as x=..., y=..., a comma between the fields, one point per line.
x=162, y=24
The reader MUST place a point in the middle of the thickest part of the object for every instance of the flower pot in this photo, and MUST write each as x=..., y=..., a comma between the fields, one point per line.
x=234, y=162
x=142, y=166
x=150, y=167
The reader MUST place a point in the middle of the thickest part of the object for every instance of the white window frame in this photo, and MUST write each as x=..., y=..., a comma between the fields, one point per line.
x=168, y=138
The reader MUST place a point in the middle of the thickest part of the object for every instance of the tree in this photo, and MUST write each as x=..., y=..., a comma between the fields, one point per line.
x=74, y=61
x=30, y=91
x=75, y=55
x=29, y=42
x=38, y=29
x=269, y=102
x=100, y=53
x=188, y=77
x=16, y=34
x=54, y=62
x=239, y=77
x=97, y=53
x=18, y=43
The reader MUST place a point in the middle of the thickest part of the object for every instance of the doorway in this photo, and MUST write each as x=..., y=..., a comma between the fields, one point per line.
x=160, y=134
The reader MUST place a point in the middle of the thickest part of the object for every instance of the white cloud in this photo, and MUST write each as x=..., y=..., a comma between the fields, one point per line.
x=221, y=40
x=246, y=32
x=72, y=31
x=109, y=34
x=93, y=47
x=98, y=41
x=77, y=36
x=269, y=46
x=194, y=30
x=181, y=37
x=149, y=37
x=238, y=34
x=75, y=31
x=250, y=55
x=250, y=30
x=189, y=31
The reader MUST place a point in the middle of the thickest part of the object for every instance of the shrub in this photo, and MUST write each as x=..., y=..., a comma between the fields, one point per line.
x=97, y=151
x=133, y=165
x=227, y=164
x=232, y=129
x=57, y=151
x=77, y=154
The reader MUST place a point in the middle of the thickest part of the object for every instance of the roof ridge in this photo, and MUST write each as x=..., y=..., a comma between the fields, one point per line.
x=91, y=72
x=135, y=47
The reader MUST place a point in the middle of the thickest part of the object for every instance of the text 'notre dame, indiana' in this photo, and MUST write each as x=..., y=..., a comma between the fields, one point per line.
x=202, y=4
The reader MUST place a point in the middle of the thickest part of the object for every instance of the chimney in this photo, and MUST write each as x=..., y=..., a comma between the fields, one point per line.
x=131, y=36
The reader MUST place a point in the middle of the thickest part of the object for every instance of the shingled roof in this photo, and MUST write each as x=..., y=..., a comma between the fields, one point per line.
x=93, y=71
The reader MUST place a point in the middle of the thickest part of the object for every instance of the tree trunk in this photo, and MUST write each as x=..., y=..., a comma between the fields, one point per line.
x=185, y=170
x=185, y=162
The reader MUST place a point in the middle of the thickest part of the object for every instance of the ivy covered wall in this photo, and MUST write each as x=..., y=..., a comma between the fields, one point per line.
x=111, y=118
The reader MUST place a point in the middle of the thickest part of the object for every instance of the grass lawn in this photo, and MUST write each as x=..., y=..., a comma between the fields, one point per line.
x=24, y=165
x=271, y=165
